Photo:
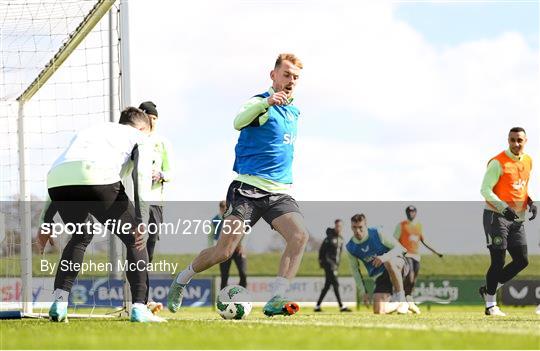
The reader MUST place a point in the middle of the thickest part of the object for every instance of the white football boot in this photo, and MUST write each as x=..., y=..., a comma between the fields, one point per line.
x=141, y=314
x=494, y=311
x=403, y=307
x=413, y=307
x=390, y=307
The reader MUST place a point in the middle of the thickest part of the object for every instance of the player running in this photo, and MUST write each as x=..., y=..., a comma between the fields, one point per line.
x=410, y=234
x=505, y=190
x=162, y=161
x=384, y=260
x=85, y=180
x=264, y=155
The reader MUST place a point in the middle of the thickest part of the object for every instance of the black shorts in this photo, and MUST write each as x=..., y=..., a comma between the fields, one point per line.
x=74, y=204
x=383, y=283
x=502, y=233
x=414, y=265
x=250, y=203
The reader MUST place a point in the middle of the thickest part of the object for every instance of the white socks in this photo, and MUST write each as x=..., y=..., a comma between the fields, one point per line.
x=185, y=276
x=138, y=305
x=280, y=286
x=60, y=295
x=491, y=300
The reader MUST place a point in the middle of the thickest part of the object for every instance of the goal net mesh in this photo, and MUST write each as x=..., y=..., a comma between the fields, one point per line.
x=83, y=90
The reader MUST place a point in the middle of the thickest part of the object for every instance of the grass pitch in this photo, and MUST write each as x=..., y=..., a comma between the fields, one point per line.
x=451, y=327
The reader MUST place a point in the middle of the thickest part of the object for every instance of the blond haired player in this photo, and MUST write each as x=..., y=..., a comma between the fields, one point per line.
x=264, y=155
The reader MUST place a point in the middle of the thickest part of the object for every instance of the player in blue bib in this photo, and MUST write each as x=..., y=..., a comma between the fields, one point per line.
x=264, y=155
x=383, y=258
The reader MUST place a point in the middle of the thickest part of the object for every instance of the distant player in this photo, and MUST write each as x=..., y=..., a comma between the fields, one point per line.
x=264, y=153
x=162, y=161
x=85, y=180
x=239, y=256
x=329, y=259
x=384, y=260
x=410, y=234
x=505, y=190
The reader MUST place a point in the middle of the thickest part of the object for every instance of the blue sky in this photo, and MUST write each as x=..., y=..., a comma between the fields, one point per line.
x=392, y=94
x=445, y=24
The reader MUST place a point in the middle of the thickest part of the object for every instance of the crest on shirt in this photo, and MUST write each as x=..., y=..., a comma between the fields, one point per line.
x=519, y=184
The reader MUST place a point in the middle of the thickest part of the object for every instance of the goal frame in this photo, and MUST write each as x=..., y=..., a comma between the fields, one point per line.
x=100, y=9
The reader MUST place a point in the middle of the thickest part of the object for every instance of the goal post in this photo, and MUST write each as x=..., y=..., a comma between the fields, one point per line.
x=83, y=79
x=88, y=23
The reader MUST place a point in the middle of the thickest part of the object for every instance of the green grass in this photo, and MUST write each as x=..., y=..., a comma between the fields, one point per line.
x=449, y=327
x=463, y=266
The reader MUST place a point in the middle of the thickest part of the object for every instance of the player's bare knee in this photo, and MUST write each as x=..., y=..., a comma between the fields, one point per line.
x=223, y=254
x=300, y=238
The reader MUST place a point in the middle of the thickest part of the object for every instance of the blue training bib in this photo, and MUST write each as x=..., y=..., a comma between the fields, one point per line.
x=267, y=151
x=368, y=250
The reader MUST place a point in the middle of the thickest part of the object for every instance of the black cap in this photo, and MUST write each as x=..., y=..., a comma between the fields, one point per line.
x=410, y=208
x=149, y=108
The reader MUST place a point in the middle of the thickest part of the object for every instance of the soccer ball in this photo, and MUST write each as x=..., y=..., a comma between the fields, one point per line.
x=234, y=302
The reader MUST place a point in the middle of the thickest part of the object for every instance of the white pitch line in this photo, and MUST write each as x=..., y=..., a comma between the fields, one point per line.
x=489, y=328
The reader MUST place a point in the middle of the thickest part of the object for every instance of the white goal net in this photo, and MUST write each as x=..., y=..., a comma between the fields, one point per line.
x=59, y=72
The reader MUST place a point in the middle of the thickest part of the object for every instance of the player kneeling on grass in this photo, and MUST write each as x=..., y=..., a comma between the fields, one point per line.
x=84, y=181
x=384, y=260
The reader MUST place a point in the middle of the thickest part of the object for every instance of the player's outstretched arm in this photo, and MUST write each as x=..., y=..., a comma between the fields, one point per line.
x=431, y=249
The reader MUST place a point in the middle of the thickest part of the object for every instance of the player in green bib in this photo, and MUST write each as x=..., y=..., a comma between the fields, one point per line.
x=162, y=161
